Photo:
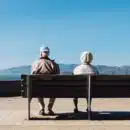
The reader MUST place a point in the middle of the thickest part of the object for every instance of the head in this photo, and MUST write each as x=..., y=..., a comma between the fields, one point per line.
x=44, y=52
x=86, y=57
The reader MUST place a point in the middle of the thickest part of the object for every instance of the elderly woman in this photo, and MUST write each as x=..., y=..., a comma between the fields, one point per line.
x=85, y=68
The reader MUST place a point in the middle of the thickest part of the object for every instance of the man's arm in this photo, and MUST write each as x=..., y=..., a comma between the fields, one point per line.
x=55, y=67
x=58, y=69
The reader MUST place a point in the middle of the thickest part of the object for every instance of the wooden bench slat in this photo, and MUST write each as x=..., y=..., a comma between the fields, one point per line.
x=110, y=92
x=59, y=77
x=111, y=77
x=110, y=83
x=70, y=84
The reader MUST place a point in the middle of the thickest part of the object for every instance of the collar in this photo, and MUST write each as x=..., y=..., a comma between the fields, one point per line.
x=47, y=58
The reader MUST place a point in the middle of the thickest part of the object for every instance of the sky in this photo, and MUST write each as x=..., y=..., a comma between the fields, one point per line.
x=67, y=27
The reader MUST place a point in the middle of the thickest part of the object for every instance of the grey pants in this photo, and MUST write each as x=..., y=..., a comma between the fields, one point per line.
x=75, y=100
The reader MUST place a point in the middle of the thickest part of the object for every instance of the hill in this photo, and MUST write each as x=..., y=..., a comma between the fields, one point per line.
x=68, y=68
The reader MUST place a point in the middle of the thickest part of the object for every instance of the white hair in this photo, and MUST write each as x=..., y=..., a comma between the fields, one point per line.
x=86, y=57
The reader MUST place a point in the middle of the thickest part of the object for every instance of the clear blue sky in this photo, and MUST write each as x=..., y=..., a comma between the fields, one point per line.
x=68, y=27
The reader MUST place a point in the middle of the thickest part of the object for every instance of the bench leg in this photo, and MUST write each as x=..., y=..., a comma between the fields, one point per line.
x=89, y=97
x=29, y=101
x=29, y=95
x=89, y=113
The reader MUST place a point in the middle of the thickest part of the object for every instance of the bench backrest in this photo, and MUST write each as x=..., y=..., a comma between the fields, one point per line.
x=110, y=86
x=66, y=86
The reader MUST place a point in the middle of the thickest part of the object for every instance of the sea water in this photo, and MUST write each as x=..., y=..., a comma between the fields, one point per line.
x=9, y=77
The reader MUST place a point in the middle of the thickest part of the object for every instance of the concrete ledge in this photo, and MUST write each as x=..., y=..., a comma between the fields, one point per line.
x=10, y=88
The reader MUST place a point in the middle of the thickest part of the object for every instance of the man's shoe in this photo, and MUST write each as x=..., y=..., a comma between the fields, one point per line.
x=50, y=112
x=76, y=110
x=42, y=112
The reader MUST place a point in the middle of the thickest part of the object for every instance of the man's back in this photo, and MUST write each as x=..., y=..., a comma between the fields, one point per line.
x=45, y=66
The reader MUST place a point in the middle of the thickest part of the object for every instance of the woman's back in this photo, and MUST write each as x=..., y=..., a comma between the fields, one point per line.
x=85, y=69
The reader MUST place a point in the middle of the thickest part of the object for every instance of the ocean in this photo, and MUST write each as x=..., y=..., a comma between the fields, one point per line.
x=5, y=77
x=9, y=77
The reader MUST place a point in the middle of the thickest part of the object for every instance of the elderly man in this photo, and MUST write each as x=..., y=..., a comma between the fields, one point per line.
x=45, y=66
x=85, y=68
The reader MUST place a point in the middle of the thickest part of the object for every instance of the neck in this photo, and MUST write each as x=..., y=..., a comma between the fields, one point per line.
x=86, y=63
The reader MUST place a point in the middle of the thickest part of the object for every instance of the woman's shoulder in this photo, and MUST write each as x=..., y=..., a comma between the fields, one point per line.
x=77, y=68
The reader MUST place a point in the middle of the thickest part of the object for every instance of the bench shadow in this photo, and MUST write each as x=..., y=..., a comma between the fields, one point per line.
x=102, y=115
x=111, y=115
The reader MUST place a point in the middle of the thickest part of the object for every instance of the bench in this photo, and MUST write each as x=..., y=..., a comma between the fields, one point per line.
x=70, y=86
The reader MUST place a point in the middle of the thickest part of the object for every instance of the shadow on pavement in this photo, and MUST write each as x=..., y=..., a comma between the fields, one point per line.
x=102, y=115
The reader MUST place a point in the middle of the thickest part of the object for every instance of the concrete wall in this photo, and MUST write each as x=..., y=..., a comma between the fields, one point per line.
x=10, y=88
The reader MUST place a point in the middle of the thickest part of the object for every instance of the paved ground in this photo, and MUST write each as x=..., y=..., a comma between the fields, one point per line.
x=13, y=114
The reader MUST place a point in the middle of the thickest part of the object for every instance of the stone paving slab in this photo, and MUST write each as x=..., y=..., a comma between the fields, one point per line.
x=13, y=114
x=64, y=128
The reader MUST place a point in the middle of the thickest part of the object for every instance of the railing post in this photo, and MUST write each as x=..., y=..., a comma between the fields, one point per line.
x=89, y=97
x=29, y=95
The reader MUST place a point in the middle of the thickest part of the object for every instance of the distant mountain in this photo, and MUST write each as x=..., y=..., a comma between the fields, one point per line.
x=68, y=69
x=65, y=68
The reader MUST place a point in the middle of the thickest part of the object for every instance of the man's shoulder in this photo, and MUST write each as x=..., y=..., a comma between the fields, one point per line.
x=54, y=62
